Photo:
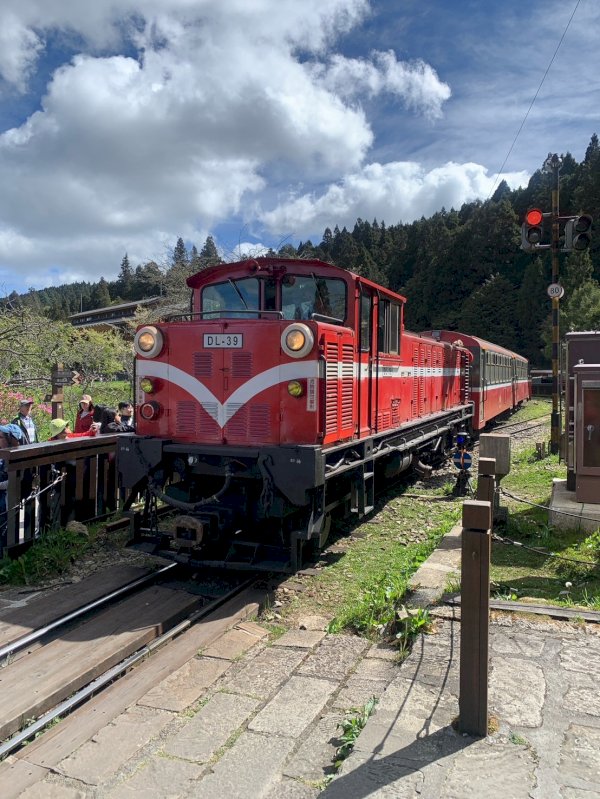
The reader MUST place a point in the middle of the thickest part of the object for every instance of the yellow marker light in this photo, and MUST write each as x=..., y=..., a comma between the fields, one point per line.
x=147, y=385
x=295, y=340
x=295, y=389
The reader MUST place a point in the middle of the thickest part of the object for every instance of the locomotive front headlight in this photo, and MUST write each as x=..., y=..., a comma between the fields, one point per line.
x=297, y=340
x=148, y=341
x=295, y=389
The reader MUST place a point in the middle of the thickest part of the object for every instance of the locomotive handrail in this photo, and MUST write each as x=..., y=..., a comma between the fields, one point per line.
x=203, y=314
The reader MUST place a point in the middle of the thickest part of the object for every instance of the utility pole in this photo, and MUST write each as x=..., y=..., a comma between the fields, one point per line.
x=553, y=164
x=577, y=237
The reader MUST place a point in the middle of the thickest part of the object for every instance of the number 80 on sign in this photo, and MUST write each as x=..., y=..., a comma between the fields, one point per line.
x=555, y=291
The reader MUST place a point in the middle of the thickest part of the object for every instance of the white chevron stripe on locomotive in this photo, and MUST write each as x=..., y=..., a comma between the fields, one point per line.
x=223, y=412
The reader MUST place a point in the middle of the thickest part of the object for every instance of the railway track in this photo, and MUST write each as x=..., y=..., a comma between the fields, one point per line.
x=51, y=670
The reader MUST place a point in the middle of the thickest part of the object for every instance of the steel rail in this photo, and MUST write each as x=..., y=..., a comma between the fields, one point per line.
x=34, y=635
x=13, y=743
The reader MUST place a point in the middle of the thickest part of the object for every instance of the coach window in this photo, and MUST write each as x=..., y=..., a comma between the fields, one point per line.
x=365, y=322
x=232, y=299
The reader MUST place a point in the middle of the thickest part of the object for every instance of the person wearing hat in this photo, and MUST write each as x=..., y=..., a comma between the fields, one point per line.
x=26, y=423
x=59, y=430
x=85, y=414
x=11, y=435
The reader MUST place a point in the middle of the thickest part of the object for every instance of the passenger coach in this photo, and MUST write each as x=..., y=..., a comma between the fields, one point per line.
x=500, y=380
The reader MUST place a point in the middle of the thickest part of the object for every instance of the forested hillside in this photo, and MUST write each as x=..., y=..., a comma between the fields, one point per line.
x=461, y=268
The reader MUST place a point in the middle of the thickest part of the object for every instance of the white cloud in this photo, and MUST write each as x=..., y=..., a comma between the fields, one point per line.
x=393, y=192
x=416, y=83
x=19, y=49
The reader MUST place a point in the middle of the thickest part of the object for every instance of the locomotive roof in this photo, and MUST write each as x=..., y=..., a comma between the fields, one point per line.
x=298, y=265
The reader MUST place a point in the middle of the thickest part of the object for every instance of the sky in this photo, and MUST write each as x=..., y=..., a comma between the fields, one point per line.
x=125, y=124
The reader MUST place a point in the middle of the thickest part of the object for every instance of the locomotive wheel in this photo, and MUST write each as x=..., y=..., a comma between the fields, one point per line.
x=324, y=534
x=318, y=544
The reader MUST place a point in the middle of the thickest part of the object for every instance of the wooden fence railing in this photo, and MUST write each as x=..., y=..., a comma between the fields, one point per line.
x=55, y=482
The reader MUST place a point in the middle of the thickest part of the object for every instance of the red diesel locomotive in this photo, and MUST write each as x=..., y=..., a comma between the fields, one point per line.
x=285, y=393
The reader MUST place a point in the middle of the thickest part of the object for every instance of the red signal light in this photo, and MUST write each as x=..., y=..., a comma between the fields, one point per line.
x=534, y=217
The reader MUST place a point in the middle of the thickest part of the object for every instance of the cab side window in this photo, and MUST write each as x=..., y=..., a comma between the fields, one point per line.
x=365, y=322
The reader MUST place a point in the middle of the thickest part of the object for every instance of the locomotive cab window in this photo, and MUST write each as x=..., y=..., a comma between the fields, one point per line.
x=232, y=299
x=388, y=330
x=306, y=296
x=365, y=322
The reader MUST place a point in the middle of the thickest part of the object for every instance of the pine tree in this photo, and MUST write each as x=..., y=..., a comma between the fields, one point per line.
x=100, y=294
x=124, y=283
x=180, y=254
x=209, y=255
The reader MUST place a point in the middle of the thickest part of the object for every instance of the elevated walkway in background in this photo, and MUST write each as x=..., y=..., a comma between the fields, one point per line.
x=568, y=514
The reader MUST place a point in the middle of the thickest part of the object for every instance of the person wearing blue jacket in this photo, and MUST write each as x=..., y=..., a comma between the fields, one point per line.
x=11, y=436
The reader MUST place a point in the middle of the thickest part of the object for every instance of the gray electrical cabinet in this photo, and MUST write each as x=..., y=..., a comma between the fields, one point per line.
x=587, y=432
x=583, y=348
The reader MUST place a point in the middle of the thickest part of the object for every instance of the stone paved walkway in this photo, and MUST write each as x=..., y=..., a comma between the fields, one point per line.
x=254, y=718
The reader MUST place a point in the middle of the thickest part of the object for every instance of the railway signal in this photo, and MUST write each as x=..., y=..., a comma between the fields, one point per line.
x=532, y=230
x=578, y=233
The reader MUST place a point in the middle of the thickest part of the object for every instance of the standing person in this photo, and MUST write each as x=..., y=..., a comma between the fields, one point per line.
x=126, y=413
x=11, y=435
x=85, y=414
x=24, y=421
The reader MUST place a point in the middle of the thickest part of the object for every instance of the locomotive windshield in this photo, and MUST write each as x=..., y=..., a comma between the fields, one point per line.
x=234, y=298
x=305, y=295
x=302, y=297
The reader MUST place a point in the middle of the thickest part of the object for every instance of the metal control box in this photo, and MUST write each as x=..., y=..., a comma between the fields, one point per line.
x=587, y=432
x=583, y=347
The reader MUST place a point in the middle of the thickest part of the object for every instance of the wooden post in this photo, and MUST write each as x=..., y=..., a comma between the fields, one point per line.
x=486, y=482
x=58, y=396
x=474, y=623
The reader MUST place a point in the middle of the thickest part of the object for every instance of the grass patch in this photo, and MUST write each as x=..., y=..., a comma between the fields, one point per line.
x=520, y=572
x=52, y=554
x=363, y=589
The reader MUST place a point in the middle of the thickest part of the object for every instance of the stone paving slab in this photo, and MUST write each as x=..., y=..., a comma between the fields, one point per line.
x=19, y=775
x=313, y=760
x=185, y=685
x=265, y=673
x=335, y=657
x=295, y=706
x=249, y=770
x=48, y=789
x=496, y=771
x=234, y=643
x=210, y=728
x=507, y=697
x=306, y=639
x=160, y=778
x=357, y=692
x=292, y=789
x=580, y=757
x=116, y=743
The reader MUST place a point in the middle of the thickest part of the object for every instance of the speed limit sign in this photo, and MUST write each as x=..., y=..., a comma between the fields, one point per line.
x=555, y=291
